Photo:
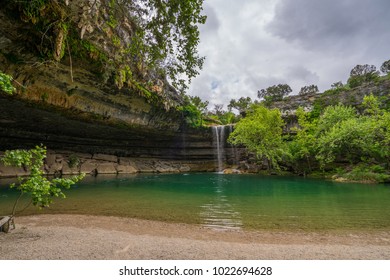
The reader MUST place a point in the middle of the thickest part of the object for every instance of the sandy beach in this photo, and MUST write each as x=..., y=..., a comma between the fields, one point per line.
x=97, y=237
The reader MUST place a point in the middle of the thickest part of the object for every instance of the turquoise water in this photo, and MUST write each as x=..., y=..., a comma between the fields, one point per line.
x=225, y=201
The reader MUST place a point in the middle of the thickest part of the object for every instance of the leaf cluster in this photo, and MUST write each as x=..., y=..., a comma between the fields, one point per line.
x=311, y=89
x=193, y=110
x=385, y=67
x=242, y=105
x=341, y=134
x=274, y=93
x=261, y=133
x=361, y=74
x=6, y=83
x=37, y=185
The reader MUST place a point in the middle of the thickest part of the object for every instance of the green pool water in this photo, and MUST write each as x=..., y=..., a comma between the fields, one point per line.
x=225, y=201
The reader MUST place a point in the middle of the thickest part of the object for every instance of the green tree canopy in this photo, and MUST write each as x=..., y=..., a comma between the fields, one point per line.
x=311, y=89
x=199, y=103
x=334, y=115
x=274, y=93
x=361, y=74
x=337, y=85
x=385, y=67
x=261, y=133
x=342, y=133
x=161, y=34
x=242, y=105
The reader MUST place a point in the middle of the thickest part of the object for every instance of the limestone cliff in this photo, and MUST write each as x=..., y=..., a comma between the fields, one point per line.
x=76, y=97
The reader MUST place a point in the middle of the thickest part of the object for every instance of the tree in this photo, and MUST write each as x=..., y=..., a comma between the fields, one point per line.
x=332, y=116
x=160, y=34
x=337, y=85
x=242, y=105
x=385, y=68
x=342, y=133
x=274, y=93
x=312, y=89
x=302, y=147
x=218, y=110
x=261, y=133
x=361, y=74
x=170, y=35
x=41, y=190
x=199, y=103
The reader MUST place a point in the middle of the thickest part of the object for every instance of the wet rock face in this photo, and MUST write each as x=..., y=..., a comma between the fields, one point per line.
x=60, y=163
x=98, y=146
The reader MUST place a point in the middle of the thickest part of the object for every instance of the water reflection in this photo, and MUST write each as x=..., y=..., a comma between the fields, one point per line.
x=219, y=213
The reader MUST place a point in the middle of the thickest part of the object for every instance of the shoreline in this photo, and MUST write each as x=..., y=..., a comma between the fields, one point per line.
x=82, y=237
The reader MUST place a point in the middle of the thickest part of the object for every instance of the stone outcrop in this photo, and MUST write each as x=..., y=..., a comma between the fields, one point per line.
x=60, y=163
x=353, y=97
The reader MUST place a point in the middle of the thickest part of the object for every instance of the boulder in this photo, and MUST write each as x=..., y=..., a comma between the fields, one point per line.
x=9, y=171
x=53, y=168
x=126, y=169
x=165, y=166
x=107, y=168
x=105, y=157
x=184, y=168
x=67, y=170
x=231, y=171
x=88, y=167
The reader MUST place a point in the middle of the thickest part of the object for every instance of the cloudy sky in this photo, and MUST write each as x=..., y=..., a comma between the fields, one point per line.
x=253, y=44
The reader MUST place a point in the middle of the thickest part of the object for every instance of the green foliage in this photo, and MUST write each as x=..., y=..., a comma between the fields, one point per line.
x=199, y=103
x=333, y=115
x=221, y=116
x=261, y=133
x=352, y=139
x=242, y=105
x=44, y=96
x=227, y=117
x=41, y=190
x=32, y=9
x=361, y=74
x=191, y=114
x=162, y=35
x=6, y=83
x=311, y=89
x=274, y=93
x=385, y=67
x=167, y=37
x=371, y=105
x=337, y=88
x=302, y=147
x=73, y=161
x=318, y=109
x=365, y=173
x=340, y=135
x=193, y=110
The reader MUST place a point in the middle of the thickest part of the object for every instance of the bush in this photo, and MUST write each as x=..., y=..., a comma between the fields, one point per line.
x=36, y=184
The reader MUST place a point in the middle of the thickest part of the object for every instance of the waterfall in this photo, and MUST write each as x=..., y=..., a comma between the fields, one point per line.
x=219, y=143
x=224, y=152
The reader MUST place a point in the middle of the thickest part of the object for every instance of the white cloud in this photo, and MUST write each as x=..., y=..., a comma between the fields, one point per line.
x=252, y=44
